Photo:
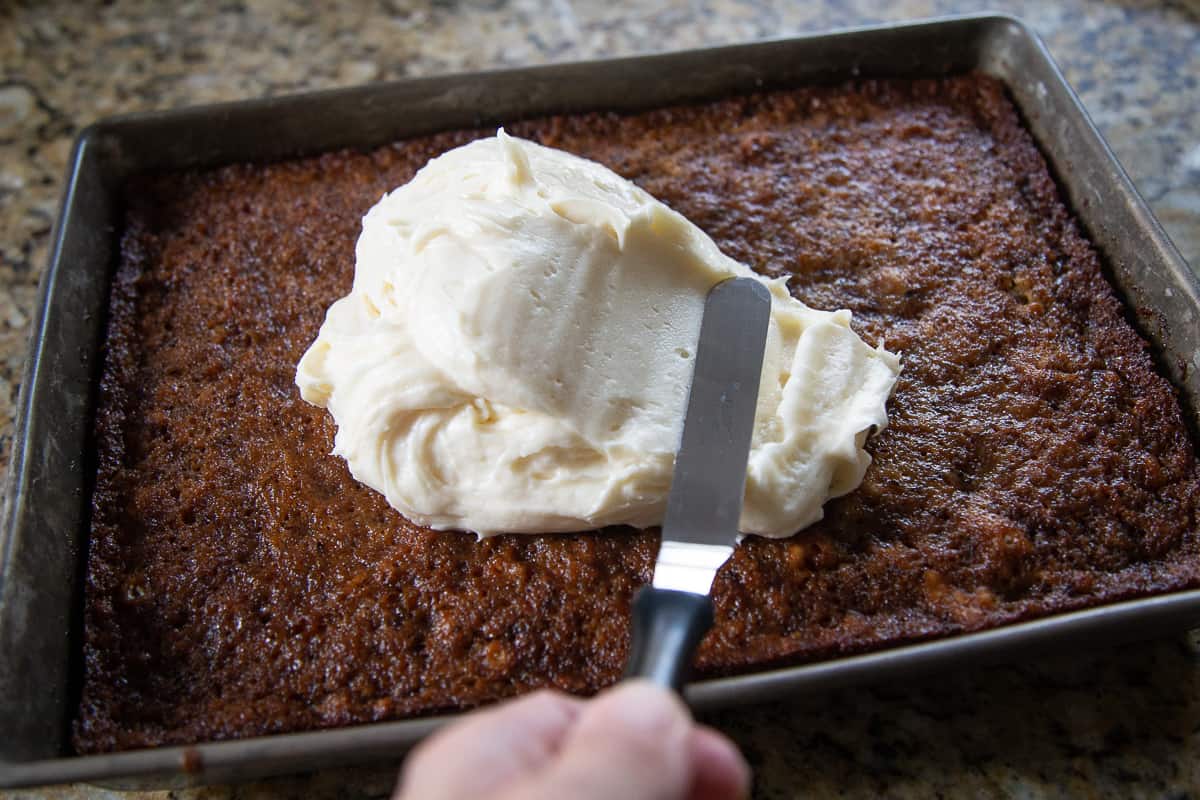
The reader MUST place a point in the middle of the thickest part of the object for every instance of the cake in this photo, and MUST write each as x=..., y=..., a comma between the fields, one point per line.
x=240, y=582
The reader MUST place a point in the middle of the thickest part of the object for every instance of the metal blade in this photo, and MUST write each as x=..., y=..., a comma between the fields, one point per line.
x=705, y=501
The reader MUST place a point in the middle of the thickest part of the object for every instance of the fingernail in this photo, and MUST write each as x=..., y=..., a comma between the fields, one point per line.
x=747, y=778
x=643, y=707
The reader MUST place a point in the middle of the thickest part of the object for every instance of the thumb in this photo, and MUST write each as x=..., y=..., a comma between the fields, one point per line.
x=631, y=742
x=491, y=749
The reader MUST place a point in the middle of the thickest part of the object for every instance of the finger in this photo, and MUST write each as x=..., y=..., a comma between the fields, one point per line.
x=718, y=770
x=631, y=742
x=489, y=749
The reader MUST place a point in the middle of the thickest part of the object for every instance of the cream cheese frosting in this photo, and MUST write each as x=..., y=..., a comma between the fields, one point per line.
x=516, y=350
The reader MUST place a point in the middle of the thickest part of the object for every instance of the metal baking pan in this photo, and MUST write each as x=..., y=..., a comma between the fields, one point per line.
x=45, y=517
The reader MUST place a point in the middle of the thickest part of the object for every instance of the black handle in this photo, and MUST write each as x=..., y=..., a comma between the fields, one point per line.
x=667, y=629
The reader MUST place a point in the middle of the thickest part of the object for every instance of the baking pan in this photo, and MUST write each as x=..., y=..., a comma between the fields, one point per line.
x=45, y=517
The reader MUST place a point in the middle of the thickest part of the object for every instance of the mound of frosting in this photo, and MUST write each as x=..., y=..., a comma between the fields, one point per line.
x=516, y=350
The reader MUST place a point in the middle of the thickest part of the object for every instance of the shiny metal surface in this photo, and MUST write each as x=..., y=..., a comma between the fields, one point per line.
x=689, y=566
x=44, y=526
x=705, y=500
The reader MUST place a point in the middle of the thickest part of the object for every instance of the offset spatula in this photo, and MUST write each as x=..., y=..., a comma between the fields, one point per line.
x=671, y=616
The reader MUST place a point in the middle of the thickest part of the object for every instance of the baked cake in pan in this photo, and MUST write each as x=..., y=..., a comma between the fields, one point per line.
x=240, y=581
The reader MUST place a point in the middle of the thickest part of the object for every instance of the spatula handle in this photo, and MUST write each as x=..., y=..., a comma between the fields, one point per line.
x=667, y=629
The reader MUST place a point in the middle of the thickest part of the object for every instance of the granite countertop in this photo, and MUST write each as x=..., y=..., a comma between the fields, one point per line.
x=1114, y=722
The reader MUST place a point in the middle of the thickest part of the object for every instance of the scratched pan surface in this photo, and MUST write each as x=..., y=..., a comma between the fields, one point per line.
x=45, y=518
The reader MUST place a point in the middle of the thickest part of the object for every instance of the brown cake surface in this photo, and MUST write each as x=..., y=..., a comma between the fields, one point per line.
x=240, y=582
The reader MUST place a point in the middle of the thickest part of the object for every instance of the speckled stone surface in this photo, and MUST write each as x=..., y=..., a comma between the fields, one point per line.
x=1121, y=722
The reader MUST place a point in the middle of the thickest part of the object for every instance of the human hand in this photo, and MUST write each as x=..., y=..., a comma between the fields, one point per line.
x=635, y=741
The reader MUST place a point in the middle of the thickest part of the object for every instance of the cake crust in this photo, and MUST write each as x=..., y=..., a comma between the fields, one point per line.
x=240, y=582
